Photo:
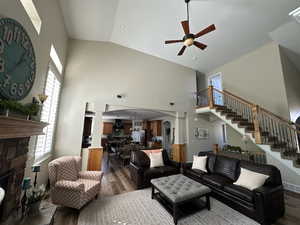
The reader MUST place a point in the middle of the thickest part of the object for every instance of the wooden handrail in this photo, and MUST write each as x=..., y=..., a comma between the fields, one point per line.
x=251, y=104
x=279, y=117
x=239, y=98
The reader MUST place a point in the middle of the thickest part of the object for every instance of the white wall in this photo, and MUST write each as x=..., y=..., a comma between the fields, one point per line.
x=97, y=71
x=53, y=31
x=257, y=77
x=292, y=81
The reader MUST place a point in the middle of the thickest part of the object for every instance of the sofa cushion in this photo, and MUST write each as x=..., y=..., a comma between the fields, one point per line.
x=273, y=173
x=200, y=163
x=156, y=159
x=194, y=173
x=227, y=167
x=160, y=171
x=211, y=158
x=140, y=159
x=240, y=192
x=216, y=180
x=251, y=180
x=211, y=162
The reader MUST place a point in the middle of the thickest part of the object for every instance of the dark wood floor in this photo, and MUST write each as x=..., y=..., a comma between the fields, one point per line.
x=116, y=181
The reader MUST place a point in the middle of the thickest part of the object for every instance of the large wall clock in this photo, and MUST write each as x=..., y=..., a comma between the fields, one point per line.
x=17, y=60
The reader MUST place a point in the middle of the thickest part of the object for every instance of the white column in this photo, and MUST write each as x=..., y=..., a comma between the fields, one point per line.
x=180, y=128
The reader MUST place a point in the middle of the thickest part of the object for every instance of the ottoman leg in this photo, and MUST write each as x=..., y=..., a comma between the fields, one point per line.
x=207, y=202
x=175, y=214
x=152, y=192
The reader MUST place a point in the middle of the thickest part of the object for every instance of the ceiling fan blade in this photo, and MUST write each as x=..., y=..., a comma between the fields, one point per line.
x=182, y=51
x=206, y=30
x=200, y=45
x=173, y=41
x=186, y=26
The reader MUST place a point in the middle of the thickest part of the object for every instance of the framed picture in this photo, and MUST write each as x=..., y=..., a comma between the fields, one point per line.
x=201, y=133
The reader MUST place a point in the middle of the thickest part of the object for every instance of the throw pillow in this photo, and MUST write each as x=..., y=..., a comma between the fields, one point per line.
x=199, y=163
x=251, y=180
x=156, y=159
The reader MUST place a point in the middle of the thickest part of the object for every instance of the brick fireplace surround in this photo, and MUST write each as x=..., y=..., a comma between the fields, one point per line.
x=14, y=139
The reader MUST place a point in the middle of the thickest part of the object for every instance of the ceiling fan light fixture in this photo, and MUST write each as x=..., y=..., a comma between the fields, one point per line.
x=189, y=42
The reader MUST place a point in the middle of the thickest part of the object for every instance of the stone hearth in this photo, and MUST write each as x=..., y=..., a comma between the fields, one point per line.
x=13, y=156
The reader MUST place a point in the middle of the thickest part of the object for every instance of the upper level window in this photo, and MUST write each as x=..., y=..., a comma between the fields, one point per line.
x=33, y=14
x=56, y=60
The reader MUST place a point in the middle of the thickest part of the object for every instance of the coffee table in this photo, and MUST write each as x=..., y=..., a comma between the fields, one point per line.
x=180, y=195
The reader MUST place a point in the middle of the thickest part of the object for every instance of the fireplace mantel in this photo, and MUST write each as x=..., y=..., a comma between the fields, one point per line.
x=11, y=127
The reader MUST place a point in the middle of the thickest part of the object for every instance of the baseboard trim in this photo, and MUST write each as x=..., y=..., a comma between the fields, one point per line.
x=291, y=187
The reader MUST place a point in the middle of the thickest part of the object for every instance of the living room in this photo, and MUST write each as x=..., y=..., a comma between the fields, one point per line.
x=233, y=93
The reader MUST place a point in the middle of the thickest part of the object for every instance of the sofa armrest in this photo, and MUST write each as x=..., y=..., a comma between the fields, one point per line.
x=69, y=185
x=269, y=201
x=174, y=164
x=91, y=175
x=137, y=168
x=267, y=190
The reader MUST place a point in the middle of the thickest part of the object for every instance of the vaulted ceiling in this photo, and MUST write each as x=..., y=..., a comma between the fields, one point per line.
x=144, y=25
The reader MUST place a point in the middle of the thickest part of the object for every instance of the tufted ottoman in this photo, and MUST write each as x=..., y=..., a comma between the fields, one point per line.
x=178, y=194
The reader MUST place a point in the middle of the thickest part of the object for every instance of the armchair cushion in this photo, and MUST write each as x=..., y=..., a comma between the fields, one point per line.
x=91, y=175
x=70, y=185
x=66, y=170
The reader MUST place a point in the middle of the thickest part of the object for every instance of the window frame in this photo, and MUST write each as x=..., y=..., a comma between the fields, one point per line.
x=46, y=155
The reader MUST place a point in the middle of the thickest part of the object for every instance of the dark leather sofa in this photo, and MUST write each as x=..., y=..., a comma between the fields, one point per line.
x=140, y=170
x=264, y=204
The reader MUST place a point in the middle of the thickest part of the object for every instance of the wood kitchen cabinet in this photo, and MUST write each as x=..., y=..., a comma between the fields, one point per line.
x=127, y=128
x=155, y=127
x=107, y=128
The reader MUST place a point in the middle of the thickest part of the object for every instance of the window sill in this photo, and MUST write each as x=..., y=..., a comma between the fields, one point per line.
x=42, y=159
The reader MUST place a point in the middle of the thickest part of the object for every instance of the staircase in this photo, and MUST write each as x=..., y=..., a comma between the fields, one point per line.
x=269, y=131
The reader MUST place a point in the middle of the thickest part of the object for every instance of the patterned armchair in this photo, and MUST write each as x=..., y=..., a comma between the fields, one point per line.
x=70, y=186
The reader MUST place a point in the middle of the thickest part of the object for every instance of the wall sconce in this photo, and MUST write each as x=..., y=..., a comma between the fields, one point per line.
x=42, y=98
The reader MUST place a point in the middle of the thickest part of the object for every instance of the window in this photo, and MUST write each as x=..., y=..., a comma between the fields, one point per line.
x=33, y=14
x=56, y=60
x=48, y=115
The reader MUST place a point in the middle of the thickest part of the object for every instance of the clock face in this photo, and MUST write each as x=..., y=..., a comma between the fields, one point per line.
x=17, y=60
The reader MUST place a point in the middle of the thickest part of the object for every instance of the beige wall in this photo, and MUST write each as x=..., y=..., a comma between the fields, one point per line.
x=292, y=82
x=53, y=31
x=98, y=71
x=257, y=77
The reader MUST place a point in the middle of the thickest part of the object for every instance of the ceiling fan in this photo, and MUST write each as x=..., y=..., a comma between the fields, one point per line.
x=189, y=38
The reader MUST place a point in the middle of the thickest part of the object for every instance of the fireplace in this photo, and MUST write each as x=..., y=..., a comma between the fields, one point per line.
x=13, y=156
x=14, y=139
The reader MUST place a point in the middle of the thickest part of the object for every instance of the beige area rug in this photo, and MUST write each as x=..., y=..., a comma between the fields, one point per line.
x=137, y=208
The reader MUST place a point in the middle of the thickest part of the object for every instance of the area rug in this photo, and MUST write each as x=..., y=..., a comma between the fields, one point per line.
x=137, y=208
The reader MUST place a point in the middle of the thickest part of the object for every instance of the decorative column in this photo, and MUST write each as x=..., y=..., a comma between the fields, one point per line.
x=179, y=148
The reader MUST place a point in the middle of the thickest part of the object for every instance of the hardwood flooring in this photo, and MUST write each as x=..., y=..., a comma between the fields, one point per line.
x=117, y=180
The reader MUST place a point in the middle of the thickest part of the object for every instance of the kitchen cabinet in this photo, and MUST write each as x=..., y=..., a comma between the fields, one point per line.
x=107, y=128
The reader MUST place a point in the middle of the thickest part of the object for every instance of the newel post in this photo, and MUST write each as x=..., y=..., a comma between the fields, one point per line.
x=257, y=131
x=210, y=95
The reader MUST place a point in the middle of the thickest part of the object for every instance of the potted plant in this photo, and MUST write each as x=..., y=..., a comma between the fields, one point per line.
x=35, y=196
